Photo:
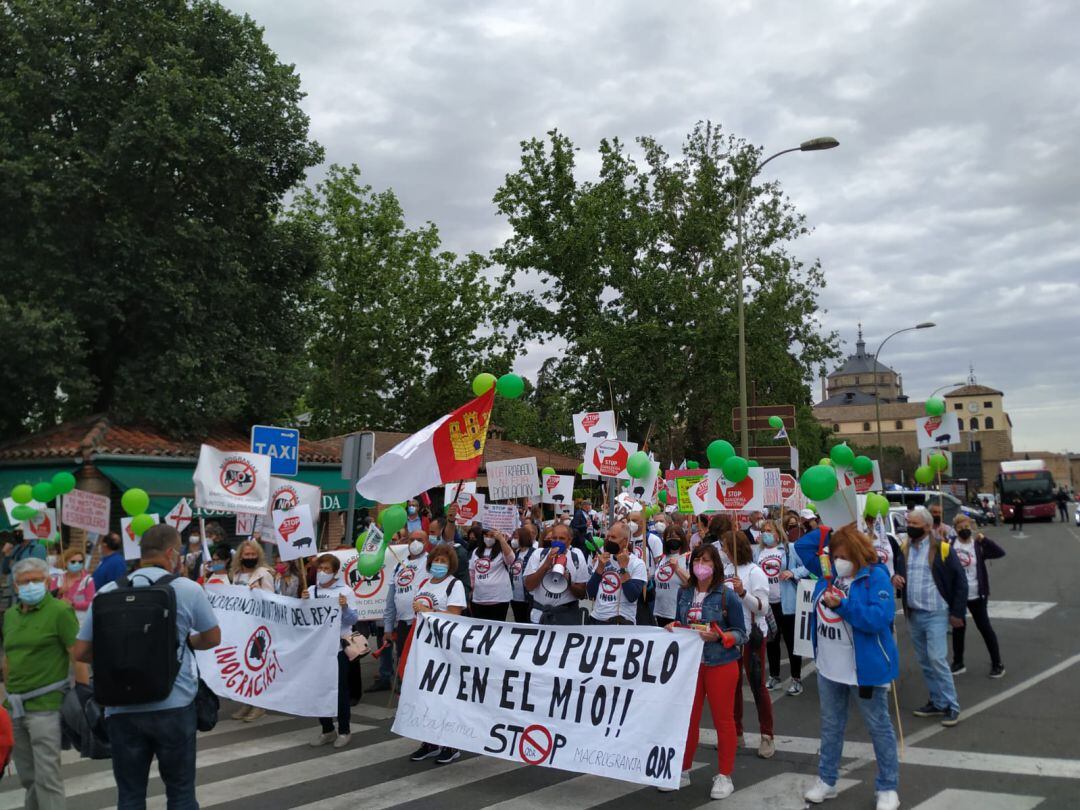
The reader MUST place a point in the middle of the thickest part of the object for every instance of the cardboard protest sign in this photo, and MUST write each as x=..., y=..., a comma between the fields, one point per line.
x=841, y=509
x=294, y=531
x=452, y=490
x=645, y=489
x=804, y=610
x=794, y=500
x=276, y=652
x=131, y=542
x=681, y=482
x=558, y=489
x=367, y=595
x=231, y=481
x=607, y=457
x=699, y=495
x=179, y=517
x=594, y=425
x=500, y=517
x=245, y=525
x=924, y=459
x=937, y=431
x=9, y=504
x=469, y=507
x=487, y=687
x=773, y=486
x=288, y=494
x=862, y=483
x=85, y=510
x=43, y=527
x=516, y=478
x=746, y=496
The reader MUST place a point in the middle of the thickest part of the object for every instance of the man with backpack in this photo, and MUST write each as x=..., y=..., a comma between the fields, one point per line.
x=139, y=634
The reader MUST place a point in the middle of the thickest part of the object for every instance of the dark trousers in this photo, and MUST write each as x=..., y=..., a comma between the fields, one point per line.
x=786, y=623
x=1063, y=510
x=614, y=620
x=979, y=613
x=343, y=706
x=496, y=612
x=1018, y=519
x=521, y=611
x=136, y=738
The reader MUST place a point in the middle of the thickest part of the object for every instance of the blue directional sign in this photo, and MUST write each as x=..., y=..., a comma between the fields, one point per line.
x=281, y=444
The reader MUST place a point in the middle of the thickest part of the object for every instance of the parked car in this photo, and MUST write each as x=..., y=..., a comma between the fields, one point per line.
x=951, y=505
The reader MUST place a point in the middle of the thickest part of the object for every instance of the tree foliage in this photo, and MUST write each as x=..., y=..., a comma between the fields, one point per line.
x=144, y=151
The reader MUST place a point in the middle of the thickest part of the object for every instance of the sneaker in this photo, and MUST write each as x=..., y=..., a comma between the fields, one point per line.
x=952, y=717
x=929, y=710
x=447, y=755
x=342, y=740
x=721, y=787
x=254, y=714
x=796, y=687
x=425, y=751
x=888, y=800
x=997, y=671
x=324, y=738
x=378, y=686
x=958, y=668
x=766, y=748
x=684, y=781
x=819, y=792
x=773, y=683
x=241, y=713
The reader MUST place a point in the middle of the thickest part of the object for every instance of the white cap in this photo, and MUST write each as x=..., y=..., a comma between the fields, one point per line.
x=808, y=514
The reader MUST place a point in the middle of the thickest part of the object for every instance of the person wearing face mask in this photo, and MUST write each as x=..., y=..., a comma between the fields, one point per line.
x=808, y=520
x=855, y=652
x=522, y=545
x=647, y=546
x=708, y=608
x=973, y=550
x=287, y=578
x=549, y=607
x=216, y=572
x=248, y=567
x=448, y=532
x=943, y=531
x=39, y=633
x=671, y=575
x=934, y=590
x=489, y=572
x=418, y=520
x=782, y=566
x=398, y=615
x=75, y=586
x=792, y=527
x=757, y=523
x=328, y=585
x=24, y=548
x=618, y=581
x=193, y=557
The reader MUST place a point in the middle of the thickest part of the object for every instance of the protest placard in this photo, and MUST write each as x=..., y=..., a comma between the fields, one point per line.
x=594, y=425
x=451, y=491
x=287, y=494
x=607, y=701
x=276, y=652
x=607, y=457
x=367, y=595
x=86, y=510
x=469, y=507
x=746, y=496
x=558, y=489
x=245, y=525
x=773, y=486
x=937, y=431
x=500, y=517
x=10, y=504
x=294, y=532
x=516, y=478
x=644, y=489
x=699, y=496
x=232, y=481
x=924, y=459
x=131, y=542
x=794, y=500
x=180, y=516
x=43, y=527
x=840, y=509
x=804, y=609
x=863, y=483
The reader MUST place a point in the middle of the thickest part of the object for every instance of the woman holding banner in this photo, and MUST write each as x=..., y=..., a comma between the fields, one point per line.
x=855, y=652
x=489, y=572
x=287, y=578
x=706, y=607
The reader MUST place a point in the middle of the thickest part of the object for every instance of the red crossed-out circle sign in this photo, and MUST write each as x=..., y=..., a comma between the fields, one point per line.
x=363, y=587
x=963, y=556
x=821, y=613
x=771, y=566
x=610, y=583
x=237, y=477
x=535, y=745
x=483, y=565
x=665, y=572
x=515, y=569
x=405, y=577
x=256, y=648
x=424, y=601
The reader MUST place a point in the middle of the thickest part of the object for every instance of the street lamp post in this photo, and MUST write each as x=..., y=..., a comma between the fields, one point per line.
x=812, y=145
x=877, y=399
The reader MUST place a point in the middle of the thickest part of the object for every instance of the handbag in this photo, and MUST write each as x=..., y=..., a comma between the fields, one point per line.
x=355, y=646
x=206, y=707
x=774, y=628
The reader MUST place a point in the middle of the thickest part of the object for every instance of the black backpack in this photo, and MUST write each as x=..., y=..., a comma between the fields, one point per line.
x=135, y=645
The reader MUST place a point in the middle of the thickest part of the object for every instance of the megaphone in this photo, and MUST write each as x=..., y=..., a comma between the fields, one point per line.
x=555, y=580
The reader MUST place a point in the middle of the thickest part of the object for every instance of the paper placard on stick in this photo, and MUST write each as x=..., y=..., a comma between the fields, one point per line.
x=295, y=532
x=43, y=527
x=288, y=494
x=245, y=525
x=862, y=483
x=924, y=459
x=367, y=595
x=516, y=478
x=179, y=517
x=469, y=507
x=773, y=486
x=840, y=509
x=804, y=610
x=86, y=510
x=9, y=504
x=746, y=496
x=131, y=542
x=938, y=431
x=500, y=517
x=558, y=489
x=594, y=425
x=645, y=489
x=699, y=495
x=451, y=491
x=232, y=481
x=607, y=457
x=792, y=493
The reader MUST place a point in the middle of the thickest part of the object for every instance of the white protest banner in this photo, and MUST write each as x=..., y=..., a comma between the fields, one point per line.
x=469, y=507
x=180, y=516
x=746, y=496
x=645, y=489
x=369, y=593
x=131, y=542
x=516, y=478
x=86, y=510
x=773, y=486
x=924, y=459
x=804, y=609
x=285, y=494
x=232, y=481
x=276, y=652
x=558, y=489
x=840, y=509
x=245, y=524
x=295, y=532
x=451, y=491
x=500, y=517
x=607, y=457
x=606, y=700
x=937, y=431
x=43, y=527
x=594, y=425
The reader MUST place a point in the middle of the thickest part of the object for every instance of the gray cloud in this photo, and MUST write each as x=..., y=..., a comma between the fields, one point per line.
x=953, y=195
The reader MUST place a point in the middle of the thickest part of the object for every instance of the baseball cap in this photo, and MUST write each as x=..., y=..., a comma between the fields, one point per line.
x=808, y=514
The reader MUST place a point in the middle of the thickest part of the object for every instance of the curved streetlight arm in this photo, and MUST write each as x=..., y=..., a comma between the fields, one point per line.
x=877, y=399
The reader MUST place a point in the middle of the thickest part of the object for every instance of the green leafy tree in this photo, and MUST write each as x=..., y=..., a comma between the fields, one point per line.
x=145, y=148
x=402, y=326
x=636, y=272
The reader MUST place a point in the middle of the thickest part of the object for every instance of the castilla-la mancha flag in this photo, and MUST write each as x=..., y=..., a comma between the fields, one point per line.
x=447, y=450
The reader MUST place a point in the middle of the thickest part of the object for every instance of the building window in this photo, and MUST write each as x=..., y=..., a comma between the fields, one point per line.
x=974, y=423
x=835, y=428
x=988, y=404
x=866, y=426
x=958, y=406
x=989, y=423
x=978, y=447
x=899, y=424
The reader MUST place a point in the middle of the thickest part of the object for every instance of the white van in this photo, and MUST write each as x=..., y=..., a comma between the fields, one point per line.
x=926, y=497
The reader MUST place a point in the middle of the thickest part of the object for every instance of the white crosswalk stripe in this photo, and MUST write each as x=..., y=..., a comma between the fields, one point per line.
x=951, y=799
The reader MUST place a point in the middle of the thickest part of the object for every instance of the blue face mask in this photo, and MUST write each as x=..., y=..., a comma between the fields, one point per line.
x=31, y=593
x=768, y=538
x=75, y=567
x=438, y=570
x=218, y=566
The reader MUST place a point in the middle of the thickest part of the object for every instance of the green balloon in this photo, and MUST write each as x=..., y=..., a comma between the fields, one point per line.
x=819, y=482
x=43, y=492
x=735, y=469
x=935, y=406
x=662, y=496
x=370, y=564
x=719, y=451
x=825, y=462
x=140, y=523
x=924, y=474
x=392, y=520
x=939, y=462
x=776, y=422
x=842, y=455
x=510, y=386
x=360, y=540
x=753, y=462
x=594, y=543
x=548, y=471
x=581, y=469
x=135, y=501
x=876, y=505
x=63, y=483
x=863, y=465
x=24, y=512
x=22, y=493
x=482, y=383
x=638, y=465
x=692, y=465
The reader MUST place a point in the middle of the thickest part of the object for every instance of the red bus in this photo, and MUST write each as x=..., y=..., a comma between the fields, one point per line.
x=1033, y=482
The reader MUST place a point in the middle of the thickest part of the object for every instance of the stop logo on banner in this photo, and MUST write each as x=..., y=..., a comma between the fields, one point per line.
x=787, y=485
x=535, y=745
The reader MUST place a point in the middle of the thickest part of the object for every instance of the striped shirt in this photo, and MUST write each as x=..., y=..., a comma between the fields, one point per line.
x=922, y=592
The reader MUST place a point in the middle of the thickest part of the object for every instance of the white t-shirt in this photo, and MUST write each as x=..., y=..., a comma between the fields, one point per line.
x=407, y=577
x=771, y=561
x=610, y=601
x=757, y=593
x=577, y=569
x=441, y=595
x=965, y=552
x=653, y=556
x=883, y=547
x=668, y=584
x=835, y=644
x=693, y=613
x=490, y=577
x=517, y=572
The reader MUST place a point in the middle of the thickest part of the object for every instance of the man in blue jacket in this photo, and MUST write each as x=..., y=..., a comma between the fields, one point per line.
x=112, y=565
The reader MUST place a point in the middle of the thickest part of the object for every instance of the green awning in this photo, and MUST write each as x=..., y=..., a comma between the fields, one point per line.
x=14, y=475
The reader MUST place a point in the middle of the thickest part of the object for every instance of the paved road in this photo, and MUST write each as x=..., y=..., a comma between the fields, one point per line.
x=1017, y=747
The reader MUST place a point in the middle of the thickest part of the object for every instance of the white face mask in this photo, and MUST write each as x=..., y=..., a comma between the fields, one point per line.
x=634, y=527
x=844, y=568
x=758, y=524
x=416, y=547
x=489, y=542
x=514, y=544
x=326, y=579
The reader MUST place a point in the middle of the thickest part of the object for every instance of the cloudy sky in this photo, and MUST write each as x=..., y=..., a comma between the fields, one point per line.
x=953, y=196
